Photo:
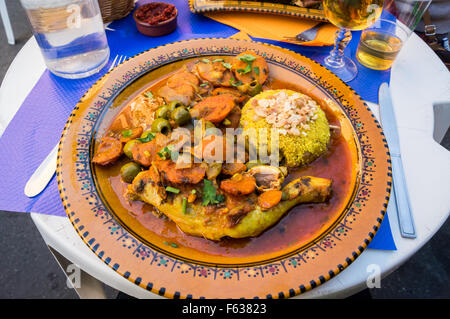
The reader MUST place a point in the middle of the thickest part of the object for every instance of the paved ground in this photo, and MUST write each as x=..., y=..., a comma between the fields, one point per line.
x=28, y=269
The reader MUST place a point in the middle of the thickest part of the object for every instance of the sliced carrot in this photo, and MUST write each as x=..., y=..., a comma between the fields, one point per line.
x=239, y=185
x=269, y=199
x=146, y=153
x=108, y=151
x=259, y=70
x=192, y=175
x=131, y=134
x=214, y=108
x=231, y=91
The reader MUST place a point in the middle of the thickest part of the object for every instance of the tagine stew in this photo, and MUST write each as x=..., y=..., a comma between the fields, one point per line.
x=142, y=182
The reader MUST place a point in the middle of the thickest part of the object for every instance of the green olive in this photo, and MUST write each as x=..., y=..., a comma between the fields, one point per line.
x=161, y=126
x=180, y=116
x=145, y=134
x=128, y=147
x=129, y=171
x=163, y=112
x=174, y=104
x=251, y=88
x=254, y=88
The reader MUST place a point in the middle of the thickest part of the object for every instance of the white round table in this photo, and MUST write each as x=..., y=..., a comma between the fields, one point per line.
x=418, y=81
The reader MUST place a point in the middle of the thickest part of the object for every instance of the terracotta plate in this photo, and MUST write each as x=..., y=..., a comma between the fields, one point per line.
x=148, y=256
x=202, y=6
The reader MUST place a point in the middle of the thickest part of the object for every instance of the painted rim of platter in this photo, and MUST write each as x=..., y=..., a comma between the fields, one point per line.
x=141, y=251
x=280, y=9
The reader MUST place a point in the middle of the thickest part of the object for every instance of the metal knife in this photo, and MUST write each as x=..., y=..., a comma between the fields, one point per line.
x=42, y=175
x=405, y=218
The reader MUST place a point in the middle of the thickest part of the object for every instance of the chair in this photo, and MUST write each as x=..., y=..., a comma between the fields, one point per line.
x=6, y=23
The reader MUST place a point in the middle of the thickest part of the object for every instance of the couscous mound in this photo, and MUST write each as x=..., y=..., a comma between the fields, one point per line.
x=304, y=132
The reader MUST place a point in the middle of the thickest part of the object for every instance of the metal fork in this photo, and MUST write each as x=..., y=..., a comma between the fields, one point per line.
x=307, y=35
x=44, y=173
x=122, y=58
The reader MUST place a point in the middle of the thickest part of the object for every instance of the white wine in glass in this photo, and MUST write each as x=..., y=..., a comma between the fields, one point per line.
x=348, y=15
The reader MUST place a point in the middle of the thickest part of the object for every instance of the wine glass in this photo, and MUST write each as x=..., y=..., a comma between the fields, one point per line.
x=348, y=15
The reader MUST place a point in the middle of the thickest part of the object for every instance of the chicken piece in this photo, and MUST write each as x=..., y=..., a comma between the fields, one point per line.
x=183, y=77
x=237, y=217
x=108, y=151
x=214, y=72
x=142, y=110
x=182, y=86
x=147, y=184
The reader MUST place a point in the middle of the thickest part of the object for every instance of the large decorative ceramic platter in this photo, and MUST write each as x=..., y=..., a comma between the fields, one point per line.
x=309, y=245
x=274, y=7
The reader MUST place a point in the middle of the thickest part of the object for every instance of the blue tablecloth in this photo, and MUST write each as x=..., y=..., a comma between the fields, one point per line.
x=37, y=126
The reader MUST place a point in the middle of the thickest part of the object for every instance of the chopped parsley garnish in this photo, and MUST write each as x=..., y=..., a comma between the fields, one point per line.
x=172, y=190
x=217, y=60
x=167, y=153
x=184, y=205
x=127, y=133
x=204, y=85
x=247, y=69
x=149, y=94
x=247, y=58
x=234, y=83
x=256, y=70
x=205, y=60
x=147, y=138
x=209, y=195
x=226, y=65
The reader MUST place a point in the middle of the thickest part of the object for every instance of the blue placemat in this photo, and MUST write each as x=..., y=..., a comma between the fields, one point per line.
x=38, y=124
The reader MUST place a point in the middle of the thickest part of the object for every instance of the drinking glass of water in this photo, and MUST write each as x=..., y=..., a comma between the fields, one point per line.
x=70, y=34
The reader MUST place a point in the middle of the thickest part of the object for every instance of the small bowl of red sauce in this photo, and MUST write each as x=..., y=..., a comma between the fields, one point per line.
x=156, y=18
